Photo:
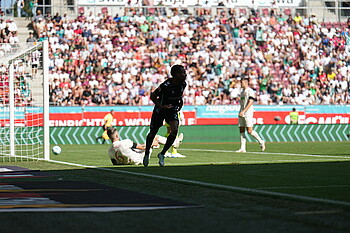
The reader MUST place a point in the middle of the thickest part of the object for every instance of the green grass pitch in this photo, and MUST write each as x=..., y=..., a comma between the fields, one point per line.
x=292, y=187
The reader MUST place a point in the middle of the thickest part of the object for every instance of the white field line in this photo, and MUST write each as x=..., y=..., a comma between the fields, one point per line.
x=270, y=153
x=91, y=209
x=249, y=152
x=252, y=162
x=210, y=185
x=231, y=162
x=318, y=212
x=307, y=187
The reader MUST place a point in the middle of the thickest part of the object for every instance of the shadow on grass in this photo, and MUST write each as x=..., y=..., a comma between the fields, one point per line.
x=248, y=212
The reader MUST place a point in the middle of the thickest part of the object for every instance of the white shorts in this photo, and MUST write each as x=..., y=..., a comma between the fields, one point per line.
x=130, y=157
x=246, y=121
x=136, y=157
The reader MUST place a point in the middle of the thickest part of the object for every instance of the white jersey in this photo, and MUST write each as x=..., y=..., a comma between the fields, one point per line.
x=122, y=152
x=244, y=100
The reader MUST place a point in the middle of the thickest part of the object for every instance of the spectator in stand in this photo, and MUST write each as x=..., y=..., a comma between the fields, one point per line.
x=31, y=39
x=35, y=20
x=20, y=5
x=293, y=53
x=33, y=5
x=11, y=26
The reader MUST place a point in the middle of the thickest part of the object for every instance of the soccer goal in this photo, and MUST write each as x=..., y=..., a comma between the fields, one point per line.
x=24, y=102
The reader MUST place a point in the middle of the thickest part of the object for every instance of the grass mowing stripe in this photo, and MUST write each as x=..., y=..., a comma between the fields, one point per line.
x=210, y=185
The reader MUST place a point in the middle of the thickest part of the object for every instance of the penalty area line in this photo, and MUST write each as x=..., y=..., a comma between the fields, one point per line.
x=258, y=162
x=308, y=187
x=249, y=152
x=220, y=186
x=268, y=153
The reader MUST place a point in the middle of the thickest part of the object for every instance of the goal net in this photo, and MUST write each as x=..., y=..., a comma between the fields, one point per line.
x=24, y=102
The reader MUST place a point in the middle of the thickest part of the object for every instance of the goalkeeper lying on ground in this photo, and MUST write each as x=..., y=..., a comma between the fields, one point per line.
x=127, y=152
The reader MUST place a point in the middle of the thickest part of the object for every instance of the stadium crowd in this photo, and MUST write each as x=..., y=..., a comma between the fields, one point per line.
x=117, y=60
x=8, y=44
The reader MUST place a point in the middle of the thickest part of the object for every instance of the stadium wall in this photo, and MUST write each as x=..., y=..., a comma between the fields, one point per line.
x=193, y=115
x=200, y=115
x=209, y=133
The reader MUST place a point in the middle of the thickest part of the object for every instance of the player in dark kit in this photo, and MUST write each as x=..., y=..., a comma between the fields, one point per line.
x=168, y=102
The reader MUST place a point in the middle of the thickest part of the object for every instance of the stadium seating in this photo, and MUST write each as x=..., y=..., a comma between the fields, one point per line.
x=142, y=48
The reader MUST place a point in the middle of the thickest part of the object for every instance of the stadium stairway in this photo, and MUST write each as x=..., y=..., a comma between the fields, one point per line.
x=319, y=8
x=35, y=83
x=23, y=28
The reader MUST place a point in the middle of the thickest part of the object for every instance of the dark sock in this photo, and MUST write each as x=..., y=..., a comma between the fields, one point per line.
x=149, y=141
x=169, y=142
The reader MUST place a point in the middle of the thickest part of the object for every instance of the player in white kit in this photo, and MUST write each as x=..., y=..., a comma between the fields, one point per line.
x=127, y=152
x=245, y=116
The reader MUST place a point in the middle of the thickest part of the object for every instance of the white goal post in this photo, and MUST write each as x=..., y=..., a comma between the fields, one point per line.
x=24, y=102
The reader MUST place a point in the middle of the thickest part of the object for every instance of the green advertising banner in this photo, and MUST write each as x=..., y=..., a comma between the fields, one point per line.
x=210, y=133
x=199, y=133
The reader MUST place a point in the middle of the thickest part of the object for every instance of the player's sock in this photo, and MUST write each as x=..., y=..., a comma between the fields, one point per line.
x=243, y=141
x=256, y=136
x=149, y=140
x=174, y=150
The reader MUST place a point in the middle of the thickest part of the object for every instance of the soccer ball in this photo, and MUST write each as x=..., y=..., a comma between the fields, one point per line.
x=277, y=118
x=56, y=150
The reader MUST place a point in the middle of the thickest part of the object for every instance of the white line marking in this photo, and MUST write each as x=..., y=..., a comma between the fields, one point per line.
x=319, y=212
x=261, y=153
x=256, y=162
x=210, y=185
x=270, y=153
x=307, y=187
x=242, y=162
x=93, y=209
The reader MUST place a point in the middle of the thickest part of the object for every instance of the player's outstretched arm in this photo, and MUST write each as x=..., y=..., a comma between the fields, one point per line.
x=141, y=146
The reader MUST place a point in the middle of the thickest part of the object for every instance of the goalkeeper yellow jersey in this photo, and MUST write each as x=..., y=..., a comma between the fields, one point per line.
x=108, y=120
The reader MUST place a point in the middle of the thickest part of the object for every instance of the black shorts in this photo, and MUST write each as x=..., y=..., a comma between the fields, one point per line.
x=158, y=117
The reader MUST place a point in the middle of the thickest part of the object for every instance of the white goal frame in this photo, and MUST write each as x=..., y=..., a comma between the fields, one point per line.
x=40, y=146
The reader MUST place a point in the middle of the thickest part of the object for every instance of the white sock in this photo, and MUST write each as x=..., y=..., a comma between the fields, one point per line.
x=256, y=136
x=243, y=141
